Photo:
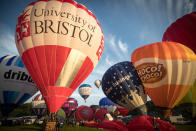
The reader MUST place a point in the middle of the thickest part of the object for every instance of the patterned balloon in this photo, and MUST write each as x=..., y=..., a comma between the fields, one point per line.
x=60, y=43
x=122, y=85
x=70, y=105
x=85, y=90
x=16, y=85
x=39, y=105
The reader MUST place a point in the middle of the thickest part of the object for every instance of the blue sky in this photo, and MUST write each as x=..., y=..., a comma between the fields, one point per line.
x=126, y=24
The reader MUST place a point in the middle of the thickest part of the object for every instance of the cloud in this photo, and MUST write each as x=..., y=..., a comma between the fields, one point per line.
x=109, y=61
x=123, y=46
x=116, y=47
x=7, y=42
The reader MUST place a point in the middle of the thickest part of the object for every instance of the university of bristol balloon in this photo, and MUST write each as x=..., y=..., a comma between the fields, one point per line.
x=60, y=43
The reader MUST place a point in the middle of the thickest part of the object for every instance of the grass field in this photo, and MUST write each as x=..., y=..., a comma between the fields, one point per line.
x=186, y=127
x=39, y=128
x=70, y=128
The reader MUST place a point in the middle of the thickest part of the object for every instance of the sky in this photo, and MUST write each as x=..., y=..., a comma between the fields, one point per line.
x=126, y=24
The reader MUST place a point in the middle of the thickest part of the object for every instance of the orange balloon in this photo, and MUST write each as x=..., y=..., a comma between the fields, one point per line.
x=167, y=70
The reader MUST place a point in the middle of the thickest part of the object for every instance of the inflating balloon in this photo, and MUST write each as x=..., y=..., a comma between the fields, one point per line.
x=16, y=85
x=97, y=83
x=167, y=70
x=122, y=85
x=39, y=105
x=70, y=105
x=85, y=91
x=151, y=124
x=84, y=113
x=107, y=104
x=100, y=115
x=190, y=98
x=183, y=30
x=60, y=43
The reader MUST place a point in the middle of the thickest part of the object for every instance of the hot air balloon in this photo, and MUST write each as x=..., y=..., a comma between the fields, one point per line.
x=16, y=85
x=151, y=124
x=122, y=85
x=84, y=91
x=97, y=83
x=100, y=115
x=84, y=113
x=60, y=43
x=39, y=105
x=107, y=104
x=70, y=105
x=183, y=30
x=190, y=99
x=167, y=70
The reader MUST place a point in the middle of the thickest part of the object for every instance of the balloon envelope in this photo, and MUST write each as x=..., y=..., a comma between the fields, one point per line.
x=190, y=98
x=70, y=105
x=107, y=104
x=60, y=43
x=100, y=114
x=167, y=70
x=183, y=30
x=39, y=105
x=97, y=83
x=84, y=113
x=85, y=91
x=16, y=85
x=137, y=124
x=122, y=85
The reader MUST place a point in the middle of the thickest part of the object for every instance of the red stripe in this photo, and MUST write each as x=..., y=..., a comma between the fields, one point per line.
x=83, y=73
x=56, y=97
x=29, y=60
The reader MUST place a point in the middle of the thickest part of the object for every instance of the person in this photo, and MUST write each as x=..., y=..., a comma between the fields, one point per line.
x=156, y=127
x=58, y=124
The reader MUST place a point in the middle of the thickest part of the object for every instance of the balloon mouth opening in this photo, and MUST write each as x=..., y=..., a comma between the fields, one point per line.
x=139, y=111
x=55, y=97
x=164, y=111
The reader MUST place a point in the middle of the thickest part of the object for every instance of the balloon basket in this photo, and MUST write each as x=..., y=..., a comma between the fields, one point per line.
x=50, y=126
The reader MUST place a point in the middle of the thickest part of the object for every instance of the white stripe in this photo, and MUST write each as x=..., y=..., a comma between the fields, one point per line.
x=70, y=68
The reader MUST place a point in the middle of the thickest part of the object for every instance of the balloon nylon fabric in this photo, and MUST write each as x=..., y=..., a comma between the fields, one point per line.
x=84, y=113
x=58, y=44
x=171, y=67
x=122, y=85
x=183, y=30
x=16, y=85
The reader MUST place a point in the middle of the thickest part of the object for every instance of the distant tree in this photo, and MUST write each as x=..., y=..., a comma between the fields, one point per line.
x=22, y=110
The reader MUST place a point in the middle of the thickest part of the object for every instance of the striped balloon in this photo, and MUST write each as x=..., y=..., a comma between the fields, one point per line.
x=39, y=105
x=16, y=85
x=60, y=43
x=84, y=91
x=70, y=105
x=167, y=70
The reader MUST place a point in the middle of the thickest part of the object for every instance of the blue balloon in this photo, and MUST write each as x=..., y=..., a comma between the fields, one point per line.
x=122, y=85
x=107, y=104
